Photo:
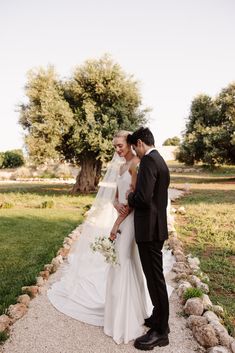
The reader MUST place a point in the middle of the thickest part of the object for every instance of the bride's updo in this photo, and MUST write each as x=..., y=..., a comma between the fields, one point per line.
x=122, y=133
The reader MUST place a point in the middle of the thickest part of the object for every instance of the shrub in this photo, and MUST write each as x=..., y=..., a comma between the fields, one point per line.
x=47, y=204
x=48, y=175
x=172, y=141
x=6, y=205
x=13, y=159
x=192, y=293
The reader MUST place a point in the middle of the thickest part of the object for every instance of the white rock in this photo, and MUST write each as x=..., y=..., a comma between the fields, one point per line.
x=203, y=286
x=48, y=267
x=199, y=284
x=66, y=246
x=232, y=345
x=180, y=267
x=58, y=259
x=24, y=299
x=39, y=281
x=178, y=252
x=181, y=277
x=75, y=236
x=194, y=320
x=180, y=258
x=4, y=322
x=221, y=333
x=205, y=335
x=68, y=241
x=207, y=304
x=17, y=311
x=218, y=349
x=32, y=291
x=194, y=280
x=182, y=288
x=211, y=316
x=193, y=260
x=194, y=306
x=194, y=263
x=56, y=263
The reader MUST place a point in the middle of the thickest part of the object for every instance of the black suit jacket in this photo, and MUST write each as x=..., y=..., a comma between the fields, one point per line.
x=150, y=199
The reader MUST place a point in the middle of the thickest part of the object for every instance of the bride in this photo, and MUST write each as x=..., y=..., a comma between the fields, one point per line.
x=91, y=290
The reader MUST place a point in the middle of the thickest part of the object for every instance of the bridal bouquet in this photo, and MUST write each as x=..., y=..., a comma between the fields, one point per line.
x=105, y=246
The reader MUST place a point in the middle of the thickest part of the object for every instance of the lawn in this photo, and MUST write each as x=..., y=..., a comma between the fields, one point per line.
x=30, y=235
x=208, y=230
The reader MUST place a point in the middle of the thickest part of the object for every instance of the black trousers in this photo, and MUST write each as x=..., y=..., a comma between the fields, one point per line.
x=151, y=260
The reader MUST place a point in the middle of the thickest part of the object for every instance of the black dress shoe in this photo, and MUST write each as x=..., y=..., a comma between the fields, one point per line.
x=149, y=322
x=150, y=340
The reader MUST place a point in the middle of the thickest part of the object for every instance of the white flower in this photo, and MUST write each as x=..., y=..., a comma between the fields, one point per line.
x=105, y=246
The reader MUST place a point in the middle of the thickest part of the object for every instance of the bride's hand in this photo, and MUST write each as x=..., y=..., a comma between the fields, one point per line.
x=121, y=208
x=125, y=210
x=113, y=233
x=112, y=236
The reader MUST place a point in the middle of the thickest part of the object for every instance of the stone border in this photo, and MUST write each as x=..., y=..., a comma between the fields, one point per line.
x=204, y=319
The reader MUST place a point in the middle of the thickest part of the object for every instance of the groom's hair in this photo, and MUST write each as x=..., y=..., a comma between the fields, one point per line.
x=143, y=134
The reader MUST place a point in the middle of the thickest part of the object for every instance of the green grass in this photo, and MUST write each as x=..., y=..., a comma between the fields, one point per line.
x=192, y=293
x=30, y=236
x=3, y=337
x=208, y=231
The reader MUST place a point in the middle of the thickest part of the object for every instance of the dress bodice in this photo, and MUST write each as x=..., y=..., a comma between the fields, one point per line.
x=123, y=184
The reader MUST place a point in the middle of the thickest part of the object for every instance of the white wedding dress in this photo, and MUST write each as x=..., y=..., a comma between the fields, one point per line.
x=97, y=293
x=127, y=302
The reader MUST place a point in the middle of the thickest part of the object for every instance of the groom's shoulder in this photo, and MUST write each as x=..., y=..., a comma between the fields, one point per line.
x=156, y=154
x=159, y=160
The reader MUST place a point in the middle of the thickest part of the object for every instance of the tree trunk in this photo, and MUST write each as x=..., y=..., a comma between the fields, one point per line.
x=89, y=176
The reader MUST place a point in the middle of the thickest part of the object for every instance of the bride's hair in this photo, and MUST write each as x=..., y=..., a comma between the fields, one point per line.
x=122, y=133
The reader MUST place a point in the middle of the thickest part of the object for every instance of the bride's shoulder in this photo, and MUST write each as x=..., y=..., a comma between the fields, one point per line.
x=134, y=163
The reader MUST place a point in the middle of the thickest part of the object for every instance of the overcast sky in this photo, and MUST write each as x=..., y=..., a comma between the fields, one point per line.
x=176, y=49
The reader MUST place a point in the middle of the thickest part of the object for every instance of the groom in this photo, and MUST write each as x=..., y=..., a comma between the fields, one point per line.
x=149, y=201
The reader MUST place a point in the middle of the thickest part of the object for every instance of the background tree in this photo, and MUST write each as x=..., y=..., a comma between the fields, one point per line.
x=11, y=159
x=76, y=119
x=172, y=141
x=1, y=158
x=103, y=99
x=46, y=117
x=209, y=134
x=202, y=114
x=224, y=136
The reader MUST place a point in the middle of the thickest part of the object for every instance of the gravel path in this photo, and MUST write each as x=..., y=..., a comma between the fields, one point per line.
x=45, y=330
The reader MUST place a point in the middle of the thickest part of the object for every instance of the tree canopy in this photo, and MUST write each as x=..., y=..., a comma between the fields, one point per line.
x=76, y=119
x=12, y=159
x=172, y=141
x=46, y=117
x=210, y=130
